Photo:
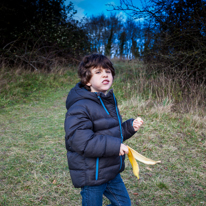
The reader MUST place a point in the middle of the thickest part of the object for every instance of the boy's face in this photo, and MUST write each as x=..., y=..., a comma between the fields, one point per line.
x=101, y=80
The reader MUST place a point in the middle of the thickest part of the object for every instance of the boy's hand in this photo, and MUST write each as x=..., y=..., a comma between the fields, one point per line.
x=123, y=150
x=137, y=123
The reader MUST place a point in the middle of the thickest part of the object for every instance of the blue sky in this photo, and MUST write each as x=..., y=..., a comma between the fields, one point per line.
x=92, y=7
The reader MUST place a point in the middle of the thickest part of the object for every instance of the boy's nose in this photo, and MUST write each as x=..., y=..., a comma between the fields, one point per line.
x=104, y=74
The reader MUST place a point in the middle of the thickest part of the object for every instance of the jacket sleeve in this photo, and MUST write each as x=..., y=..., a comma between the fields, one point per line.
x=81, y=138
x=128, y=129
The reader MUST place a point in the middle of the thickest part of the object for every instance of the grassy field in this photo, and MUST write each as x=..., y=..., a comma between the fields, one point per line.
x=33, y=165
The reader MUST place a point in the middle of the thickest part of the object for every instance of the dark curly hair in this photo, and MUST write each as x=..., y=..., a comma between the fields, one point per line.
x=90, y=62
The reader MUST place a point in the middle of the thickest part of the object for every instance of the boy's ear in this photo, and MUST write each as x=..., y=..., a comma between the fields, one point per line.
x=88, y=84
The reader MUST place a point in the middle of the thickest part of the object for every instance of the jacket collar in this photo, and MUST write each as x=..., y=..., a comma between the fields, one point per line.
x=79, y=92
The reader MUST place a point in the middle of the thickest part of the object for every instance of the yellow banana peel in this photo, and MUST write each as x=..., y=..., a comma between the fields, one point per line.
x=132, y=155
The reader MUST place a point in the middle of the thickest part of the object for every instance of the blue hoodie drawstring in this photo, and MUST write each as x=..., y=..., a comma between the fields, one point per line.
x=120, y=125
x=103, y=104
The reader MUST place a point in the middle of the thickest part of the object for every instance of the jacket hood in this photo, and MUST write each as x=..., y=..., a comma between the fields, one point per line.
x=79, y=92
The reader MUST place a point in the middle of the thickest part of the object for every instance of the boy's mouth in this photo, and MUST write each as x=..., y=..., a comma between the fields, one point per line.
x=105, y=81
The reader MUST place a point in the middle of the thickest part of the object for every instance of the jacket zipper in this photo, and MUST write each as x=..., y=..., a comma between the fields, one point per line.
x=97, y=168
x=120, y=127
x=97, y=160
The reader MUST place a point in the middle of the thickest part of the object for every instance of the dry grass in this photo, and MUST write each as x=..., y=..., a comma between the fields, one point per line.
x=134, y=80
x=179, y=141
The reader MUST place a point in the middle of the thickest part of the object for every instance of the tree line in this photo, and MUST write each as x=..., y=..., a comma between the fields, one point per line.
x=168, y=34
x=114, y=36
x=40, y=33
x=43, y=33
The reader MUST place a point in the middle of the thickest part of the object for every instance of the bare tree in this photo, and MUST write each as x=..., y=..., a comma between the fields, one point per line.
x=103, y=32
x=175, y=35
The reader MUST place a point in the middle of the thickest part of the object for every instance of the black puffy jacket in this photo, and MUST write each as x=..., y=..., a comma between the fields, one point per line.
x=94, y=132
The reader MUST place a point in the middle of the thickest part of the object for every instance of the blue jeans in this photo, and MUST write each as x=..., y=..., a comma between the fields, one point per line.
x=114, y=190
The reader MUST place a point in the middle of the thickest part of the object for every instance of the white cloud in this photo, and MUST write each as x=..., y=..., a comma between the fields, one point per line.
x=113, y=3
x=80, y=13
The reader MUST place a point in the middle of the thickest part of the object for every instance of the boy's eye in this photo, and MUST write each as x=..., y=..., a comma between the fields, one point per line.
x=108, y=71
x=97, y=72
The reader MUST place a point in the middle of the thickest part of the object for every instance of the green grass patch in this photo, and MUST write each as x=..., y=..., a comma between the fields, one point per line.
x=33, y=163
x=20, y=86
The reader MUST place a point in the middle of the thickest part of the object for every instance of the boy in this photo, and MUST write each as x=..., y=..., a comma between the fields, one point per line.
x=95, y=134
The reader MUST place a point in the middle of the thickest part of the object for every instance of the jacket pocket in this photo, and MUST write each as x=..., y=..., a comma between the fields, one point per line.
x=97, y=168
